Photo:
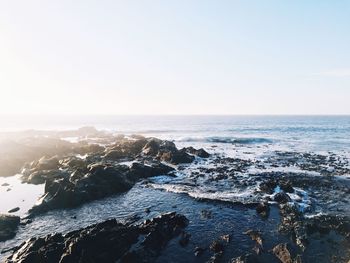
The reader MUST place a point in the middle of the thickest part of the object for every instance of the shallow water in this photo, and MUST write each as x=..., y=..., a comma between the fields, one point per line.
x=224, y=219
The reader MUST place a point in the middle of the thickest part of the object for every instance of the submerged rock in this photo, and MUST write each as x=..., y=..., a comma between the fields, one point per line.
x=255, y=235
x=8, y=226
x=198, y=251
x=109, y=241
x=282, y=253
x=13, y=210
x=263, y=209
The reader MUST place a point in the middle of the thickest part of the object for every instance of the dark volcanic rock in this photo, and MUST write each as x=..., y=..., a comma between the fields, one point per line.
x=109, y=241
x=176, y=157
x=125, y=148
x=268, y=187
x=166, y=151
x=8, y=226
x=292, y=222
x=13, y=210
x=200, y=152
x=282, y=197
x=71, y=181
x=216, y=246
x=101, y=180
x=256, y=236
x=140, y=170
x=263, y=209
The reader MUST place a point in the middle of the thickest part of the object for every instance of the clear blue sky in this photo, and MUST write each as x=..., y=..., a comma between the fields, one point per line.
x=175, y=57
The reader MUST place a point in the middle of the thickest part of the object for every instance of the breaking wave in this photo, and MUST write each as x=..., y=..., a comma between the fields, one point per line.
x=231, y=140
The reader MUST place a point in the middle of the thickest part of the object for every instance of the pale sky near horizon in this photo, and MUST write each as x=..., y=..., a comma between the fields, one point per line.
x=175, y=57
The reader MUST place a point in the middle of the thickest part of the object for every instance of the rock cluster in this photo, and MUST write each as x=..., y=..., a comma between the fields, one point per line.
x=71, y=181
x=109, y=241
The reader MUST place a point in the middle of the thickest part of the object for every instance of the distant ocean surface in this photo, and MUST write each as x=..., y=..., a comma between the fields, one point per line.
x=300, y=133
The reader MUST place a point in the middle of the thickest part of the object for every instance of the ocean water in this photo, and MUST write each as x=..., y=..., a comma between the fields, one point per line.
x=307, y=133
x=251, y=138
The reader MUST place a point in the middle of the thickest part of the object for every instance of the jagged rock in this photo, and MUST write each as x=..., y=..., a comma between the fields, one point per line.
x=282, y=198
x=282, y=253
x=225, y=238
x=108, y=242
x=139, y=170
x=176, y=157
x=216, y=246
x=200, y=152
x=268, y=187
x=263, y=209
x=255, y=235
x=8, y=226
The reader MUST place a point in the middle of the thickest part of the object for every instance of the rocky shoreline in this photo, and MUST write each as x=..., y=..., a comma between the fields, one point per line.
x=102, y=165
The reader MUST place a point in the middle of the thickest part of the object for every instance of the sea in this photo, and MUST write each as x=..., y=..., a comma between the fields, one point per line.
x=245, y=137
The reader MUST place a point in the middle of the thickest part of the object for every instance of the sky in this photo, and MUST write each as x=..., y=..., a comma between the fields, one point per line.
x=174, y=57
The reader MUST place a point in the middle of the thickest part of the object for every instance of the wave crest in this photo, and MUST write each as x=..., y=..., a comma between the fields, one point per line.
x=231, y=140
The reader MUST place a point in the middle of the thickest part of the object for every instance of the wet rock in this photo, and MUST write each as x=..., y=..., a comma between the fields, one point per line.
x=263, y=209
x=293, y=222
x=282, y=253
x=225, y=238
x=176, y=157
x=157, y=231
x=216, y=258
x=101, y=181
x=152, y=147
x=282, y=198
x=268, y=187
x=13, y=210
x=8, y=226
x=73, y=162
x=200, y=152
x=216, y=246
x=125, y=148
x=108, y=242
x=40, y=177
x=198, y=251
x=325, y=223
x=139, y=170
x=255, y=235
x=248, y=258
x=286, y=186
x=26, y=222
x=166, y=151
